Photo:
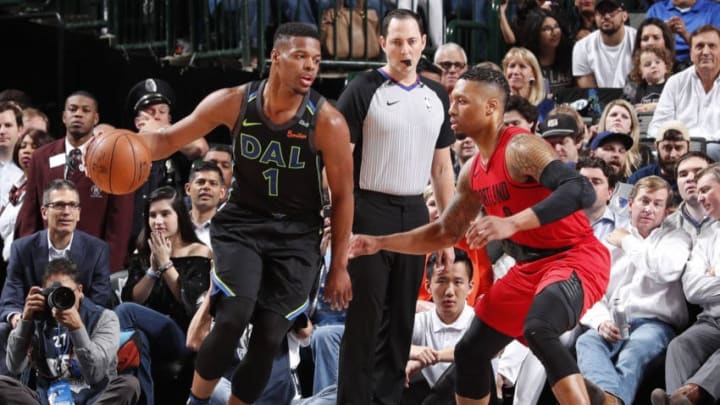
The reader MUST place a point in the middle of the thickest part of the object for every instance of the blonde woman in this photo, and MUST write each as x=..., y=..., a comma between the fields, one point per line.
x=619, y=116
x=522, y=70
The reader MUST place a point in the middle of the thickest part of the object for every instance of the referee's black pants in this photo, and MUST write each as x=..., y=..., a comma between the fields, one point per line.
x=378, y=328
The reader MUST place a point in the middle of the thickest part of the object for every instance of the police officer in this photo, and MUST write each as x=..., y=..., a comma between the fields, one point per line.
x=153, y=99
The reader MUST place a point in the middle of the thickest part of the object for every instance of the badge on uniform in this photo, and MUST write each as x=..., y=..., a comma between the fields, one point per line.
x=59, y=393
x=95, y=192
x=57, y=160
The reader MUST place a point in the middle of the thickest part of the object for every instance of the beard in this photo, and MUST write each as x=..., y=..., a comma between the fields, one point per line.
x=667, y=166
x=79, y=133
x=609, y=31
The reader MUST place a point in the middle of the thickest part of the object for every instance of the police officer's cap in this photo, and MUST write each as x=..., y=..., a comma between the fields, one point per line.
x=148, y=92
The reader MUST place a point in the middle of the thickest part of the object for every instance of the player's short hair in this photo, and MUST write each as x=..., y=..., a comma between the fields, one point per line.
x=295, y=29
x=489, y=77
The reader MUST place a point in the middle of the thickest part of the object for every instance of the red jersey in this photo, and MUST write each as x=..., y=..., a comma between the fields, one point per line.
x=505, y=306
x=502, y=197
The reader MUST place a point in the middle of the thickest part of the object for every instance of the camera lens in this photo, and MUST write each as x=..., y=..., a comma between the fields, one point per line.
x=61, y=298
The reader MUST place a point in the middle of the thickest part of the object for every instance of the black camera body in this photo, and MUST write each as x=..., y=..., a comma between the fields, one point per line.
x=58, y=296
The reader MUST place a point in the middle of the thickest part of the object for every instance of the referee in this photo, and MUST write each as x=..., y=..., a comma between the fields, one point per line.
x=400, y=128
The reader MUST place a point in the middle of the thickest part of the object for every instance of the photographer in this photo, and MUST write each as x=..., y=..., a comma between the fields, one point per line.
x=73, y=346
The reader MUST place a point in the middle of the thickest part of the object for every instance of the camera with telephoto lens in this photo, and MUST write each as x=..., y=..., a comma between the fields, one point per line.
x=59, y=296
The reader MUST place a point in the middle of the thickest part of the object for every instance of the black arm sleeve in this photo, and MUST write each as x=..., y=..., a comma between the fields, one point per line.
x=571, y=192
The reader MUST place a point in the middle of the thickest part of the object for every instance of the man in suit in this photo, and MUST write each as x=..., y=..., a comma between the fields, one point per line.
x=30, y=255
x=62, y=159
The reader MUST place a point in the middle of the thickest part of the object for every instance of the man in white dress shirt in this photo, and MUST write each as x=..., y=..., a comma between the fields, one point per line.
x=11, y=125
x=436, y=332
x=693, y=95
x=648, y=261
x=693, y=357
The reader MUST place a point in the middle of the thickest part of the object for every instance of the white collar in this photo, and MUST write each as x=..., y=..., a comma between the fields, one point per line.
x=459, y=324
x=59, y=252
x=69, y=147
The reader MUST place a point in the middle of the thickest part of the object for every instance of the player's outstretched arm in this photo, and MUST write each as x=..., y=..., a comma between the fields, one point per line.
x=446, y=231
x=332, y=139
x=220, y=107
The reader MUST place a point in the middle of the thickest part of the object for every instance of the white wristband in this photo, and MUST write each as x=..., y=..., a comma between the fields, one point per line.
x=153, y=274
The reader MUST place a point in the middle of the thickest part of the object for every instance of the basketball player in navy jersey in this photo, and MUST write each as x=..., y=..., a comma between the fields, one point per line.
x=266, y=238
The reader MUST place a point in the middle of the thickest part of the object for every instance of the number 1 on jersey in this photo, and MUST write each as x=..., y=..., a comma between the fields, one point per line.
x=271, y=175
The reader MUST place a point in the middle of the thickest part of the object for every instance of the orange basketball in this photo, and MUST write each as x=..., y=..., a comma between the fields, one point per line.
x=118, y=162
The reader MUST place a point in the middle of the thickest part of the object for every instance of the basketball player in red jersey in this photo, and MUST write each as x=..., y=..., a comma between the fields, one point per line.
x=534, y=205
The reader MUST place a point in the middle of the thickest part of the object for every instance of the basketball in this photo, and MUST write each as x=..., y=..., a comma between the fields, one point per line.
x=118, y=162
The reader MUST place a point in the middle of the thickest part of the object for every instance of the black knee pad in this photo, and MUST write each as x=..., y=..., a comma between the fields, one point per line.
x=544, y=341
x=266, y=341
x=538, y=331
x=473, y=353
x=232, y=315
x=554, y=310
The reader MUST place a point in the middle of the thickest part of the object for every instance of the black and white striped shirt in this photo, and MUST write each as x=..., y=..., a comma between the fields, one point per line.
x=396, y=130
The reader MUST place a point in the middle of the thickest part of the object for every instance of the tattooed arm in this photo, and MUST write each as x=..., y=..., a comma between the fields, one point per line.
x=530, y=158
x=446, y=231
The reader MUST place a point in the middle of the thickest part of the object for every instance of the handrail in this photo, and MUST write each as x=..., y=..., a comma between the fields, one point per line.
x=152, y=26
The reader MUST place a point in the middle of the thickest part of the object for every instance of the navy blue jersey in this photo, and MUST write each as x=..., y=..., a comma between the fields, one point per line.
x=277, y=169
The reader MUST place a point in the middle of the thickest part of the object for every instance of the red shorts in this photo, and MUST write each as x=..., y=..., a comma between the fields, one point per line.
x=506, y=305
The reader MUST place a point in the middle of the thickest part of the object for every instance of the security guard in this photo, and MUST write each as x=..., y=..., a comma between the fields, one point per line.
x=153, y=99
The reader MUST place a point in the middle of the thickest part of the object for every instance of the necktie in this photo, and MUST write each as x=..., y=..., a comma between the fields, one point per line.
x=74, y=162
x=16, y=193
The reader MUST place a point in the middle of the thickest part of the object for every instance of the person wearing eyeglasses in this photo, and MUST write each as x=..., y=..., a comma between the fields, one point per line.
x=30, y=255
x=604, y=57
x=452, y=60
x=546, y=35
x=63, y=159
